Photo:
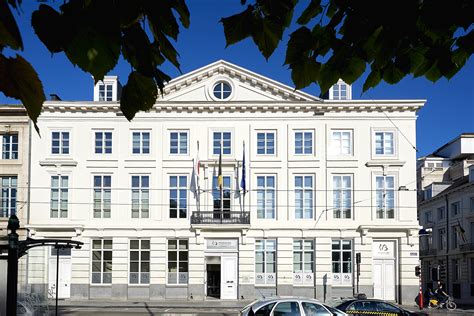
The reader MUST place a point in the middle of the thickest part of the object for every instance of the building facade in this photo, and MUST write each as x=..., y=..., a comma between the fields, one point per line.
x=446, y=212
x=14, y=163
x=324, y=180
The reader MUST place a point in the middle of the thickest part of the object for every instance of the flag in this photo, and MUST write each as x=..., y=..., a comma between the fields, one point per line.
x=219, y=171
x=193, y=187
x=462, y=232
x=243, y=183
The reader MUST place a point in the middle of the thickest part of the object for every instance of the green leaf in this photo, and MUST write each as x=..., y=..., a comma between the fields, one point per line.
x=392, y=74
x=299, y=45
x=183, y=11
x=354, y=69
x=238, y=26
x=328, y=76
x=161, y=18
x=312, y=10
x=19, y=80
x=139, y=94
x=9, y=32
x=136, y=49
x=304, y=73
x=266, y=36
x=49, y=27
x=372, y=80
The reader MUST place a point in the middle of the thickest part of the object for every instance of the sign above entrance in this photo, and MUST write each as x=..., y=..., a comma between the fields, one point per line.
x=222, y=244
x=384, y=249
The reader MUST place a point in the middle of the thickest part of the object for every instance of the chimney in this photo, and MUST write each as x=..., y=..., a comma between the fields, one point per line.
x=54, y=97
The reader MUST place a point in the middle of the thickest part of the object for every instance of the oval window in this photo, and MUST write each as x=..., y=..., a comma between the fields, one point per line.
x=222, y=90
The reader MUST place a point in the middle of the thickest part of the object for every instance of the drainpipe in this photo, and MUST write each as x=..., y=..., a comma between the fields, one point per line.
x=447, y=243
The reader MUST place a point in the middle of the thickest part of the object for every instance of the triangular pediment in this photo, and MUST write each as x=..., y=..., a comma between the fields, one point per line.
x=245, y=85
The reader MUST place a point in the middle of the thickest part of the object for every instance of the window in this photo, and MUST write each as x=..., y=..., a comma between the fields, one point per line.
x=386, y=308
x=339, y=91
x=140, y=142
x=287, y=308
x=311, y=309
x=441, y=238
x=456, y=270
x=223, y=138
x=455, y=208
x=304, y=143
x=472, y=232
x=385, y=196
x=179, y=143
x=440, y=213
x=342, y=262
x=222, y=90
x=384, y=144
x=454, y=231
x=428, y=217
x=10, y=146
x=341, y=142
x=101, y=261
x=304, y=197
x=59, y=196
x=471, y=203
x=472, y=270
x=362, y=307
x=342, y=196
x=178, y=197
x=105, y=92
x=102, y=196
x=103, y=142
x=265, y=310
x=266, y=197
x=303, y=261
x=140, y=196
x=266, y=143
x=9, y=187
x=60, y=143
x=216, y=196
x=177, y=261
x=265, y=261
x=139, y=262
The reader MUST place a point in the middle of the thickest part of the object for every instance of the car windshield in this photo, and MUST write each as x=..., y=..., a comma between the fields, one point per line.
x=333, y=310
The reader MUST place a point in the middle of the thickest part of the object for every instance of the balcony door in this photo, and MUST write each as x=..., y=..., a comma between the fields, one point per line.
x=224, y=212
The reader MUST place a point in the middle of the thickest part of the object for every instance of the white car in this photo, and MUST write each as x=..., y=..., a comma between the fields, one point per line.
x=289, y=306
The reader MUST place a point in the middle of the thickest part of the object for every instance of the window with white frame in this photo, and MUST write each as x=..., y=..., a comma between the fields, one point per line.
x=222, y=90
x=178, y=197
x=342, y=262
x=8, y=200
x=266, y=196
x=226, y=196
x=139, y=262
x=341, y=142
x=384, y=143
x=140, y=196
x=265, y=261
x=265, y=143
x=441, y=238
x=385, y=196
x=60, y=143
x=339, y=91
x=440, y=213
x=304, y=193
x=140, y=143
x=59, y=196
x=102, y=196
x=179, y=143
x=223, y=139
x=101, y=261
x=455, y=207
x=10, y=146
x=303, y=262
x=177, y=261
x=303, y=143
x=103, y=142
x=105, y=92
x=342, y=196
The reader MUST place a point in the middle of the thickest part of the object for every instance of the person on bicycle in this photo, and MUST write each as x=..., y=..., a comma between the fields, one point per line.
x=428, y=295
x=441, y=295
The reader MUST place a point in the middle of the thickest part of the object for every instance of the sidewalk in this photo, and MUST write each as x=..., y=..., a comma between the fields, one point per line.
x=232, y=304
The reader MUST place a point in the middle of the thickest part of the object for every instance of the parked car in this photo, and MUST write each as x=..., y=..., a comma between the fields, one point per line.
x=289, y=306
x=373, y=307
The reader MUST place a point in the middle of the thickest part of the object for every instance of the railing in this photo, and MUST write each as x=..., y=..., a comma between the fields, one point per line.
x=467, y=247
x=224, y=217
x=428, y=252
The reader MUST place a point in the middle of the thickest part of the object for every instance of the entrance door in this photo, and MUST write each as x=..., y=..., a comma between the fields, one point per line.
x=384, y=279
x=229, y=278
x=213, y=272
x=64, y=280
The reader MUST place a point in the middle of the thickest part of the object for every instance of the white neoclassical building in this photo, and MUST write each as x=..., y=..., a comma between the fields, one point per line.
x=325, y=180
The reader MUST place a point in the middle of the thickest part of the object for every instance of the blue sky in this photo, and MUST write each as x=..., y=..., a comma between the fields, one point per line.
x=448, y=112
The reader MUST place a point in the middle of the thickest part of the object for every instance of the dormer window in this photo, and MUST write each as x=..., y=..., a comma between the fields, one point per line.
x=105, y=92
x=222, y=90
x=340, y=91
x=108, y=90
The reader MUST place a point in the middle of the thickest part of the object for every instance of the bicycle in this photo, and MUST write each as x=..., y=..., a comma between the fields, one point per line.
x=449, y=304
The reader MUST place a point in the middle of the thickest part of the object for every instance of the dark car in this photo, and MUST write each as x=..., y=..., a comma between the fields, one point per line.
x=373, y=307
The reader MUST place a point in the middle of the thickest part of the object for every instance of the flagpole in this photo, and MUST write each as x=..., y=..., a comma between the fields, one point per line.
x=198, y=167
x=220, y=182
x=243, y=175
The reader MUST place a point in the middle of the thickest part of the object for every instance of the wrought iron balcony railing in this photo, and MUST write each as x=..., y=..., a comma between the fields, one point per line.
x=224, y=217
x=467, y=247
x=428, y=252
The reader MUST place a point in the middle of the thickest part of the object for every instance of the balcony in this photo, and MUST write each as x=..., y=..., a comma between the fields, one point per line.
x=467, y=247
x=428, y=252
x=224, y=218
